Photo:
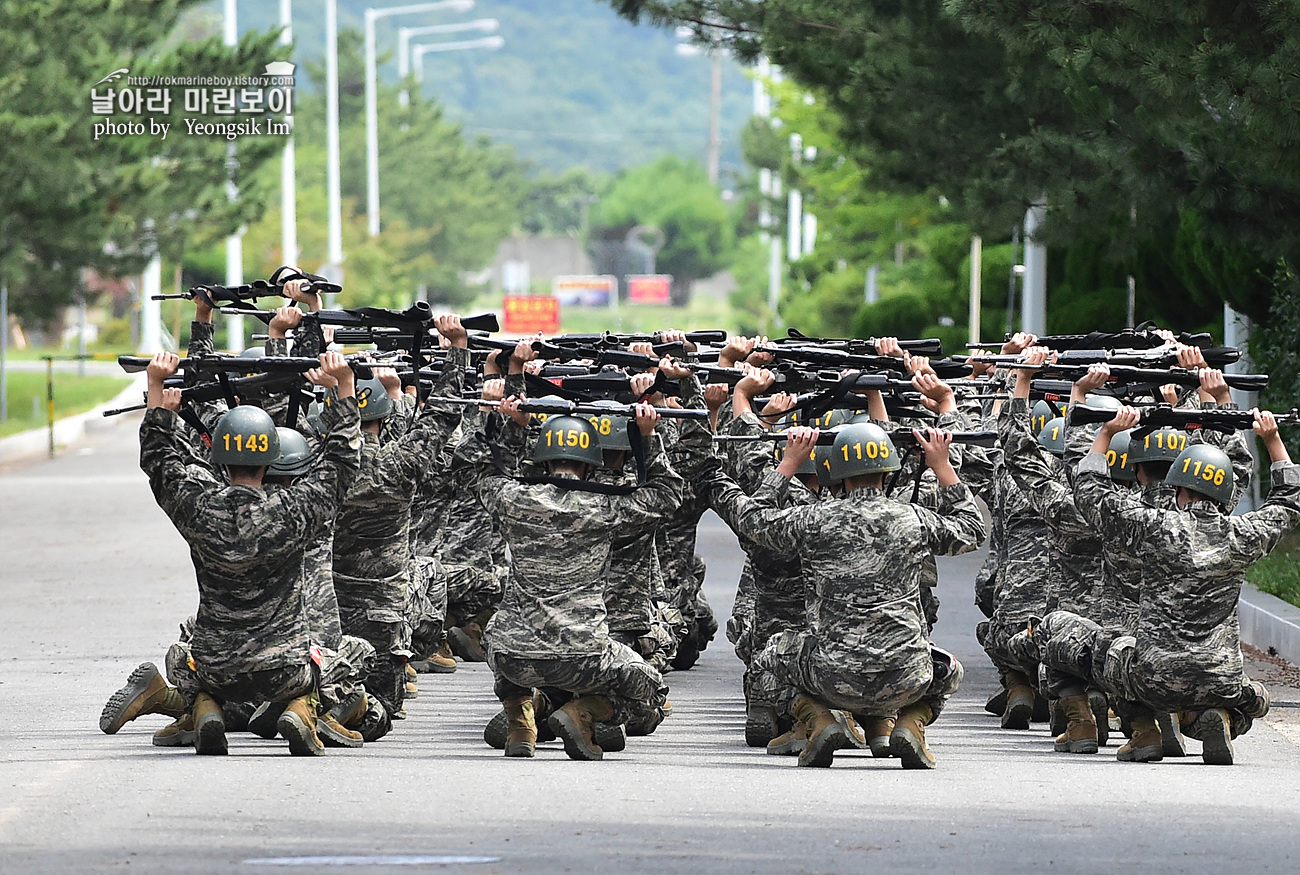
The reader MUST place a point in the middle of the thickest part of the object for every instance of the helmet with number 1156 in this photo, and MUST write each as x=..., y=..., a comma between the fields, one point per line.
x=1205, y=469
x=568, y=438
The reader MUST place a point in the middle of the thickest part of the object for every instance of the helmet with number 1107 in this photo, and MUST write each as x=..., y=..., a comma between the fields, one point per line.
x=570, y=439
x=863, y=448
x=245, y=435
x=1205, y=469
x=1161, y=445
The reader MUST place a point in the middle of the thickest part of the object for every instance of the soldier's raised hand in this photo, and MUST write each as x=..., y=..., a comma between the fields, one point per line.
x=510, y=407
x=449, y=328
x=800, y=443
x=646, y=418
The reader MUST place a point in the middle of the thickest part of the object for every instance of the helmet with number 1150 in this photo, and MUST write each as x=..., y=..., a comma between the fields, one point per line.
x=570, y=439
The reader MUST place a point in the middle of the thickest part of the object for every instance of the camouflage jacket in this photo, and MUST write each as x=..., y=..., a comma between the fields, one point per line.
x=248, y=545
x=559, y=544
x=1188, y=636
x=372, y=549
x=863, y=555
x=1077, y=549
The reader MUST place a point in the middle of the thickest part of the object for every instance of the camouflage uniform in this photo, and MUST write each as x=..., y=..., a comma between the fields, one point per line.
x=372, y=550
x=550, y=629
x=1185, y=653
x=251, y=636
x=865, y=648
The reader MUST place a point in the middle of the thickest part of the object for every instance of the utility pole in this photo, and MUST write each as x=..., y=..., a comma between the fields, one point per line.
x=235, y=242
x=333, y=269
x=1033, y=315
x=715, y=115
x=4, y=350
x=976, y=265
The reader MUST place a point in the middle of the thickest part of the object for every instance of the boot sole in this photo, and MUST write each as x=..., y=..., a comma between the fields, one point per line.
x=793, y=747
x=1018, y=714
x=760, y=726
x=820, y=752
x=997, y=703
x=575, y=746
x=331, y=738
x=463, y=646
x=910, y=749
x=1171, y=735
x=1087, y=745
x=265, y=721
x=1150, y=754
x=114, y=716
x=1100, y=708
x=210, y=736
x=521, y=749
x=494, y=734
x=880, y=747
x=1216, y=740
x=609, y=737
x=299, y=736
x=412, y=693
x=857, y=740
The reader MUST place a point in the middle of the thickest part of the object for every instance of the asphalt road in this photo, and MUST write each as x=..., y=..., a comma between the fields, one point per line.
x=93, y=581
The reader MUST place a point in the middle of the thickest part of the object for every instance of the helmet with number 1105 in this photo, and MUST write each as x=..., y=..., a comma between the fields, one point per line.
x=1205, y=469
x=863, y=448
x=570, y=439
x=245, y=435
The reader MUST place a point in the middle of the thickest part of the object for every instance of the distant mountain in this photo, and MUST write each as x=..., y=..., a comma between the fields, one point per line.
x=574, y=84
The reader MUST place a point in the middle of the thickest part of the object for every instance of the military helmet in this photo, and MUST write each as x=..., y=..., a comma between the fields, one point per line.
x=1121, y=463
x=862, y=448
x=570, y=438
x=1161, y=445
x=829, y=419
x=1042, y=413
x=295, y=455
x=373, y=400
x=1052, y=436
x=1205, y=469
x=245, y=435
x=1102, y=402
x=611, y=429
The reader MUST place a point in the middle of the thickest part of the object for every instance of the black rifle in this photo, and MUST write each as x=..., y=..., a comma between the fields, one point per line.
x=835, y=358
x=565, y=407
x=1130, y=338
x=901, y=437
x=1151, y=377
x=610, y=339
x=931, y=346
x=1215, y=357
x=240, y=387
x=1183, y=418
x=213, y=365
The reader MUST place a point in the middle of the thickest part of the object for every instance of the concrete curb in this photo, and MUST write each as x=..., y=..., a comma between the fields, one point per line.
x=31, y=444
x=1268, y=622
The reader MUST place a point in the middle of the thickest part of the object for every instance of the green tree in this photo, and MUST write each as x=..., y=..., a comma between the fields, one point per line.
x=68, y=200
x=675, y=196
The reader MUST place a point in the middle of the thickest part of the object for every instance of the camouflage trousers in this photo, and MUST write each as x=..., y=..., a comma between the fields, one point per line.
x=386, y=632
x=1078, y=652
x=472, y=590
x=795, y=664
x=343, y=670
x=273, y=685
x=426, y=606
x=619, y=674
x=995, y=635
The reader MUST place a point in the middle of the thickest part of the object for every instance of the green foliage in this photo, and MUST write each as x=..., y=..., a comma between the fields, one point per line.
x=1278, y=573
x=675, y=196
x=72, y=395
x=1275, y=349
x=559, y=205
x=69, y=201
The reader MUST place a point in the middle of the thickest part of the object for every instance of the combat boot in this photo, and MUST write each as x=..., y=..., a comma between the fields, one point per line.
x=441, y=662
x=789, y=743
x=997, y=703
x=852, y=731
x=332, y=733
x=1100, y=706
x=412, y=687
x=298, y=726
x=496, y=730
x=573, y=724
x=907, y=741
x=178, y=733
x=1213, y=727
x=145, y=692
x=1080, y=735
x=467, y=641
x=609, y=737
x=877, y=731
x=1057, y=722
x=264, y=721
x=1171, y=735
x=760, y=725
x=209, y=727
x=1144, y=744
x=521, y=736
x=351, y=710
x=1020, y=702
x=825, y=734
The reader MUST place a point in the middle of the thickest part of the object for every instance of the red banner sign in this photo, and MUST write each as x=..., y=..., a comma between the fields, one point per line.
x=528, y=314
x=650, y=289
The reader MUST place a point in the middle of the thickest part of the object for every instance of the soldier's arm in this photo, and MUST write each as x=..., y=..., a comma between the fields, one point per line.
x=176, y=485
x=312, y=500
x=658, y=497
x=1255, y=534
x=761, y=516
x=415, y=450
x=1027, y=463
x=1115, y=514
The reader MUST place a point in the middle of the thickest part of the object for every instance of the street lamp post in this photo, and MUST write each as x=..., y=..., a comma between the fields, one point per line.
x=419, y=51
x=372, y=109
x=404, y=34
